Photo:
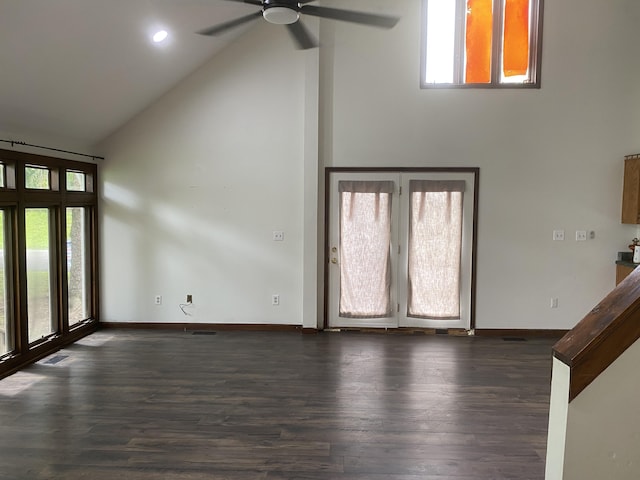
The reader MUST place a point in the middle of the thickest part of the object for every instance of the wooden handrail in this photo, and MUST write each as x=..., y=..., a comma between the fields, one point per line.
x=602, y=335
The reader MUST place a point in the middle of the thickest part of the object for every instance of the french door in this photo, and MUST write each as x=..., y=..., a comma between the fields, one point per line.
x=401, y=249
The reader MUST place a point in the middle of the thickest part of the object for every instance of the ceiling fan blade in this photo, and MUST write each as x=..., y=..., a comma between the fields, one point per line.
x=223, y=27
x=375, y=20
x=301, y=35
x=252, y=2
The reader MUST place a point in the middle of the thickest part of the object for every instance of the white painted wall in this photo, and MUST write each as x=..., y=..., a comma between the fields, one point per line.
x=175, y=220
x=549, y=158
x=194, y=187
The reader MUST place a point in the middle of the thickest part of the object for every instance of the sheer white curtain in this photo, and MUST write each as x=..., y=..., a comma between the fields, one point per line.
x=365, y=241
x=435, y=246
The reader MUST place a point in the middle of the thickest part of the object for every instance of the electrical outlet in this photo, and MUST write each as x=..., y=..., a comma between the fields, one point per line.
x=278, y=236
x=275, y=299
x=581, y=235
x=189, y=298
x=558, y=235
x=158, y=300
x=554, y=302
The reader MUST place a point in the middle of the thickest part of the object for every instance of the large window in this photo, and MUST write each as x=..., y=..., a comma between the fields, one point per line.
x=78, y=267
x=481, y=43
x=48, y=255
x=6, y=324
x=37, y=224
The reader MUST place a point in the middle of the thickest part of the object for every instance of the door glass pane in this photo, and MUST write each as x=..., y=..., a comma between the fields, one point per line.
x=435, y=246
x=36, y=177
x=365, y=240
x=6, y=337
x=38, y=273
x=77, y=274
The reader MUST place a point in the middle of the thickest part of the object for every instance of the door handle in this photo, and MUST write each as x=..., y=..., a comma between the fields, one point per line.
x=334, y=260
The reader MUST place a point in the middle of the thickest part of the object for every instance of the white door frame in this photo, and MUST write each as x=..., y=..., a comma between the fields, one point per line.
x=333, y=277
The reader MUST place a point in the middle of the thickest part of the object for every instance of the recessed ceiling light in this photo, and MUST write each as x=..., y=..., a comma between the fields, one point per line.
x=160, y=36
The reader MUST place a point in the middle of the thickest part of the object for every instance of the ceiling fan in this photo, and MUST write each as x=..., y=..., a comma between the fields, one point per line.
x=287, y=12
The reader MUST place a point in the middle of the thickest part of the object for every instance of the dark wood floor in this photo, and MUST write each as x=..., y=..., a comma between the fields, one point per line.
x=278, y=406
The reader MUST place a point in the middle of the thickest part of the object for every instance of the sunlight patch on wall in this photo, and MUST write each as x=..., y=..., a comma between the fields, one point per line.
x=116, y=194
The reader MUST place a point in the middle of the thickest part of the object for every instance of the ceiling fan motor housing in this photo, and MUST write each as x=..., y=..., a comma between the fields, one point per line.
x=280, y=12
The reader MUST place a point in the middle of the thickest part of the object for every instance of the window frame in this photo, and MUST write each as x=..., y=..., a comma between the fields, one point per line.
x=535, y=51
x=9, y=269
x=15, y=199
x=87, y=180
x=333, y=175
x=88, y=261
x=52, y=178
x=55, y=319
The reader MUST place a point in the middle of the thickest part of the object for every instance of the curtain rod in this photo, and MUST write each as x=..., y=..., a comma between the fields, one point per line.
x=16, y=142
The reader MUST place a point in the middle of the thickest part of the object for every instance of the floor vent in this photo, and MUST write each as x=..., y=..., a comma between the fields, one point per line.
x=56, y=359
x=514, y=339
x=203, y=332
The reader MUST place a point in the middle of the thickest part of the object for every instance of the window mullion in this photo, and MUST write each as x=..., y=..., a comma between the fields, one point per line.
x=459, y=61
x=498, y=38
x=20, y=275
x=62, y=264
x=535, y=40
x=92, y=224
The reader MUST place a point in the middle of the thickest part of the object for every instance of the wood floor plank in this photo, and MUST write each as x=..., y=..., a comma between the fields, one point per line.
x=143, y=405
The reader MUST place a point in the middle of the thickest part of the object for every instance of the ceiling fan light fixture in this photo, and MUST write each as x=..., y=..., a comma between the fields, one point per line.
x=280, y=15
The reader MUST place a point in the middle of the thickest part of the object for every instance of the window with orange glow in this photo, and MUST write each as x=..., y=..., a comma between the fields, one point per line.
x=481, y=43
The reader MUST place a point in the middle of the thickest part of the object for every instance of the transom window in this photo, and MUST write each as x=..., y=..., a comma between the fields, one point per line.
x=481, y=43
x=37, y=177
x=76, y=181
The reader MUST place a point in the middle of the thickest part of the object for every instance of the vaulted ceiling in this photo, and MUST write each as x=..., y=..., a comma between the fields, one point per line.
x=79, y=69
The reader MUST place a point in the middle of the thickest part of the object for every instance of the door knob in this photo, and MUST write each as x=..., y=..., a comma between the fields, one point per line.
x=334, y=260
